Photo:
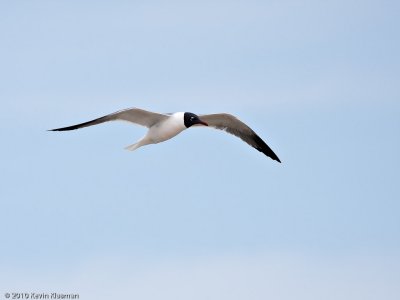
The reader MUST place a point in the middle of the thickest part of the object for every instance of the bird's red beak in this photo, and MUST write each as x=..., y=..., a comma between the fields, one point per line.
x=201, y=123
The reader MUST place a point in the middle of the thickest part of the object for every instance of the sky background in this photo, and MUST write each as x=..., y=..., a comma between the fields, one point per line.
x=202, y=216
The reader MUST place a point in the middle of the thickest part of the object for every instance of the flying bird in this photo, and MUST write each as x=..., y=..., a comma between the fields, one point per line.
x=163, y=127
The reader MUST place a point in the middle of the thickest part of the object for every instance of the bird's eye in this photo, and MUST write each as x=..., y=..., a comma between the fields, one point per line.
x=192, y=118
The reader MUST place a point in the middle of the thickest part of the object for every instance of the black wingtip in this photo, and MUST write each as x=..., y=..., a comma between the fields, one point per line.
x=73, y=127
x=264, y=148
x=272, y=155
x=57, y=129
x=275, y=157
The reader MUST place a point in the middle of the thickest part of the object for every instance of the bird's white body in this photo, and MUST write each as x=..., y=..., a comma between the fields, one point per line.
x=161, y=131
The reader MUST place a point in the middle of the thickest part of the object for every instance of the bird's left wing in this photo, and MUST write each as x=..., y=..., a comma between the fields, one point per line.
x=233, y=125
x=133, y=115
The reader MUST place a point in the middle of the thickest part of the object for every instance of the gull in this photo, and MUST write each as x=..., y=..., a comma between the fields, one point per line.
x=164, y=126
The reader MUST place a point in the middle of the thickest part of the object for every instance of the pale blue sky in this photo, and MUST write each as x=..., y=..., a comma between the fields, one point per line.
x=202, y=216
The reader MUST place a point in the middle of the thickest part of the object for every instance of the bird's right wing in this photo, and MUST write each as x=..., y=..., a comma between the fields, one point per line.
x=233, y=125
x=132, y=115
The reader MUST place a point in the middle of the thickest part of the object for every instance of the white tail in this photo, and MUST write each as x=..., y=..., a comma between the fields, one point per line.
x=138, y=144
x=132, y=147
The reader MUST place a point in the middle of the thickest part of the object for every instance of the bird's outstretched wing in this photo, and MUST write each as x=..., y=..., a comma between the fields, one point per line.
x=133, y=115
x=234, y=126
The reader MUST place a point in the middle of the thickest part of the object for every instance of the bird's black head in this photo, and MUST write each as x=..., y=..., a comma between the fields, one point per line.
x=191, y=119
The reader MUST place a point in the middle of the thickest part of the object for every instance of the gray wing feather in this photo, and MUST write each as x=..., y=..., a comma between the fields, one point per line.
x=133, y=115
x=233, y=125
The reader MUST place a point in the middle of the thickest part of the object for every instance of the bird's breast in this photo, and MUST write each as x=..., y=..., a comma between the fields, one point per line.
x=165, y=130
